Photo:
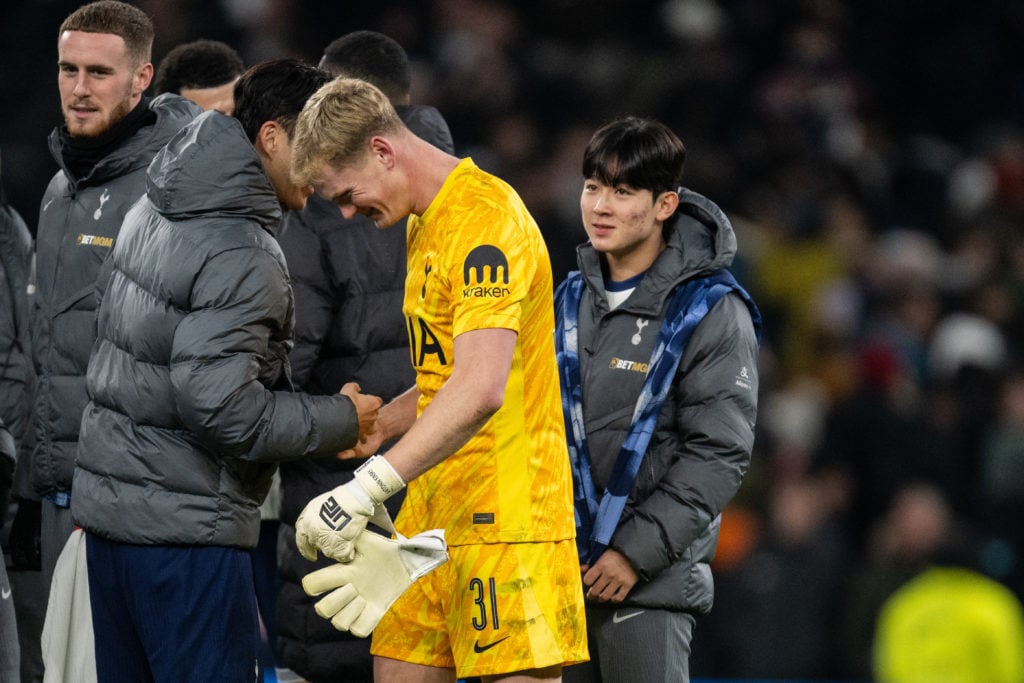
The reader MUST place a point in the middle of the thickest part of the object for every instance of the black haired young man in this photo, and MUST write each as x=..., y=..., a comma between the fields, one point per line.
x=204, y=71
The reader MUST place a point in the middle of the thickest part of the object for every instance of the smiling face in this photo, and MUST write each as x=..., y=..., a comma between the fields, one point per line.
x=98, y=83
x=362, y=188
x=624, y=224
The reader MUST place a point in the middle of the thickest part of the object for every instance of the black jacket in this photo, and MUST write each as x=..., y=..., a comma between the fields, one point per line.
x=16, y=375
x=79, y=220
x=191, y=406
x=15, y=362
x=701, y=446
x=349, y=281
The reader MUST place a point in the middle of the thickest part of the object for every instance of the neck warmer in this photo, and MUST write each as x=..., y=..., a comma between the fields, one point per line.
x=81, y=154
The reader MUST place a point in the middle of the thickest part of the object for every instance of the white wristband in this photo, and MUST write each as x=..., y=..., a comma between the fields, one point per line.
x=379, y=479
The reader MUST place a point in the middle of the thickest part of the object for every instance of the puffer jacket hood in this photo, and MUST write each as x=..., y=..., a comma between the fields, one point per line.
x=186, y=180
x=192, y=405
x=718, y=231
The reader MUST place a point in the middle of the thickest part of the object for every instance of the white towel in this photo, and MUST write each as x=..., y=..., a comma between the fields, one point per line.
x=69, y=652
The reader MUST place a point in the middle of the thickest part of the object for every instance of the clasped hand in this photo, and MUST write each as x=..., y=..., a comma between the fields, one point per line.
x=367, y=411
x=610, y=578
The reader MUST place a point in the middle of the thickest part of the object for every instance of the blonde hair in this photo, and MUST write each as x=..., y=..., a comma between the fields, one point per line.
x=336, y=124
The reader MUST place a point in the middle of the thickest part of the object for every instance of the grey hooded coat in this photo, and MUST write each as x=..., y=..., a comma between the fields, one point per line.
x=191, y=403
x=704, y=433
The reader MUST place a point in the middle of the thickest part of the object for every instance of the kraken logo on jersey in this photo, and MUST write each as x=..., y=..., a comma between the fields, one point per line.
x=480, y=272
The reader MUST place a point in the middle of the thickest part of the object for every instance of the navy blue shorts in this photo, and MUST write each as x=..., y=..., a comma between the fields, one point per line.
x=172, y=613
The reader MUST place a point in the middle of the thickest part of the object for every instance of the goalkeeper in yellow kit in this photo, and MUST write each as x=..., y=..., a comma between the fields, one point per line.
x=483, y=448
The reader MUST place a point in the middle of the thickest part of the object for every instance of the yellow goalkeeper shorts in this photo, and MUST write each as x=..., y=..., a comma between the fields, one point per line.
x=491, y=609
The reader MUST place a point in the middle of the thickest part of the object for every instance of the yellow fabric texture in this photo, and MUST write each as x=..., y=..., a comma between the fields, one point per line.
x=477, y=260
x=492, y=609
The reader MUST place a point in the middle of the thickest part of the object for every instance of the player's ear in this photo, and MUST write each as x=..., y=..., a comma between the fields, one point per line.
x=143, y=77
x=268, y=138
x=382, y=149
x=666, y=204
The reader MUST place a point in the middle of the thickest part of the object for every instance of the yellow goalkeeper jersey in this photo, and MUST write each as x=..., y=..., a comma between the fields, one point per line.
x=477, y=260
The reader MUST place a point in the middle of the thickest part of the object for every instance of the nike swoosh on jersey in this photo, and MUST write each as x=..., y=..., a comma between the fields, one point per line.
x=617, y=619
x=5, y=593
x=478, y=648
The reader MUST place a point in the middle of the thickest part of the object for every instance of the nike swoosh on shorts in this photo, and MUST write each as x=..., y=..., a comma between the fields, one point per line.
x=478, y=648
x=618, y=619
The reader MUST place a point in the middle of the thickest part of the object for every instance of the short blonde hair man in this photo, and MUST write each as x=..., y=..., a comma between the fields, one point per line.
x=482, y=442
x=336, y=124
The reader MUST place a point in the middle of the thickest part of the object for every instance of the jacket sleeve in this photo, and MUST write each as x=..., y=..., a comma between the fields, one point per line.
x=240, y=301
x=314, y=300
x=714, y=414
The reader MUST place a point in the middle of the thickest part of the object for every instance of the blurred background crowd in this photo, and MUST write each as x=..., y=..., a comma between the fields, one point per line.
x=871, y=157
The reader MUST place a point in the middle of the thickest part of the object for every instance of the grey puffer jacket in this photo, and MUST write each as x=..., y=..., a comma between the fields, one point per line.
x=191, y=404
x=79, y=221
x=704, y=434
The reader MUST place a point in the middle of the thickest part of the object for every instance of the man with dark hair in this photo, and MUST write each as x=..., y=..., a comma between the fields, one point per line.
x=192, y=405
x=110, y=133
x=373, y=57
x=657, y=454
x=204, y=71
x=349, y=279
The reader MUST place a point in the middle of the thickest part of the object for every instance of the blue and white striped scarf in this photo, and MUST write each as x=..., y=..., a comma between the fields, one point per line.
x=597, y=518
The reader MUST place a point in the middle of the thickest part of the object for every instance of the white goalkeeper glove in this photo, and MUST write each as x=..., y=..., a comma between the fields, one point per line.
x=362, y=590
x=332, y=521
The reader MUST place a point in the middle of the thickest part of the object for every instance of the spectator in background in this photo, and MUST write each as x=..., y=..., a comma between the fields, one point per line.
x=204, y=71
x=1000, y=497
x=15, y=387
x=908, y=535
x=774, y=613
x=657, y=348
x=950, y=622
x=881, y=438
x=110, y=133
x=349, y=279
x=191, y=405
